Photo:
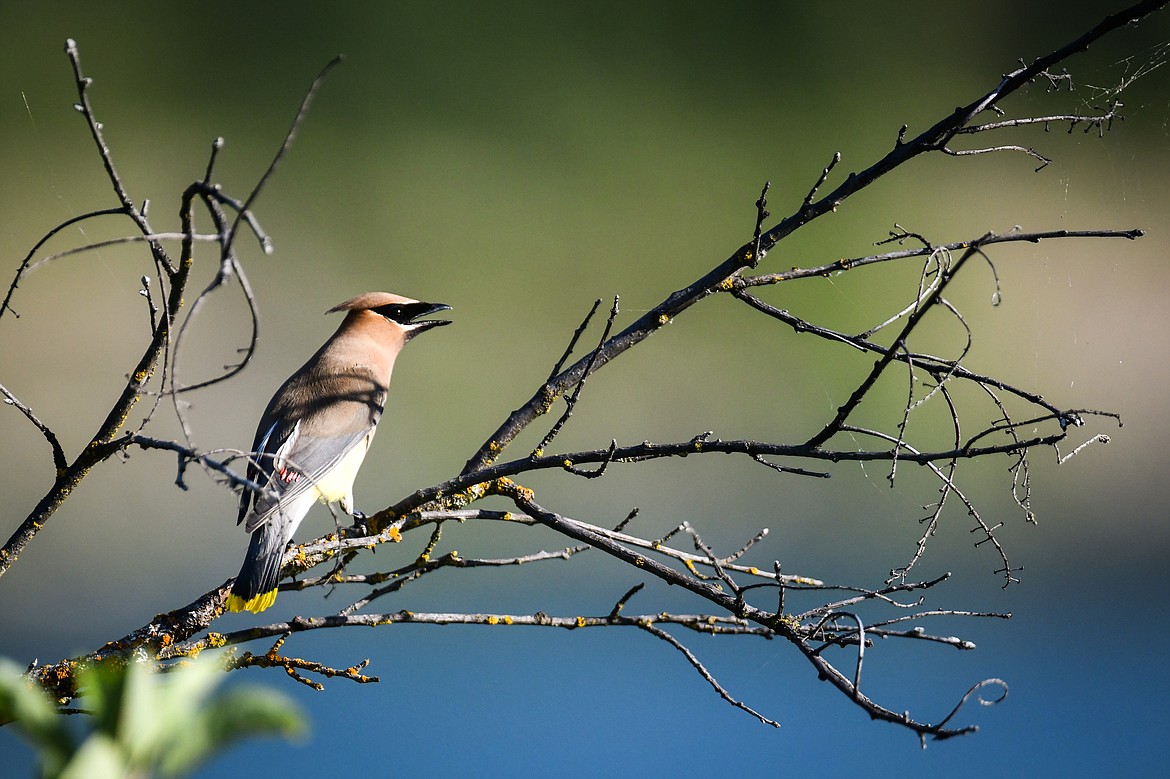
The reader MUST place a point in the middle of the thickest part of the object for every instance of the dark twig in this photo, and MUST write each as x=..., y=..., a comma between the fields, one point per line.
x=571, y=399
x=824, y=269
x=230, y=267
x=702, y=671
x=622, y=601
x=962, y=701
x=924, y=305
x=808, y=199
x=294, y=666
x=24, y=264
x=1044, y=161
x=95, y=128
x=60, y=462
x=762, y=213
x=573, y=341
x=289, y=136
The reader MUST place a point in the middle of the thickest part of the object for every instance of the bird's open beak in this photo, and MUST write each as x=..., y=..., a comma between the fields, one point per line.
x=419, y=310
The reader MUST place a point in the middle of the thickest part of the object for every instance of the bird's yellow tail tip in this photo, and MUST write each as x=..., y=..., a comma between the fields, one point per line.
x=255, y=604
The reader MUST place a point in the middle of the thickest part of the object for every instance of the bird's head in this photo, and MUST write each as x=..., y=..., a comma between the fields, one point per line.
x=404, y=312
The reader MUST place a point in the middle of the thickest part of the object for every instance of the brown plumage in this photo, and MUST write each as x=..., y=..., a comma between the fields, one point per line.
x=314, y=434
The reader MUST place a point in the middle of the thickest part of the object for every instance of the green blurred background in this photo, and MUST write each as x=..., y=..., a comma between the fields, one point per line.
x=518, y=161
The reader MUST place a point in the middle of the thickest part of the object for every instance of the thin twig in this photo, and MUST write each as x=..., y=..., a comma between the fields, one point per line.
x=702, y=671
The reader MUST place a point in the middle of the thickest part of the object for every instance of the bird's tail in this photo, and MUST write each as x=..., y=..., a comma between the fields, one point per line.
x=255, y=587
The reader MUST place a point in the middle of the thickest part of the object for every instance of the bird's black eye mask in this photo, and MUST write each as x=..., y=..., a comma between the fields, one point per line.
x=395, y=312
x=408, y=314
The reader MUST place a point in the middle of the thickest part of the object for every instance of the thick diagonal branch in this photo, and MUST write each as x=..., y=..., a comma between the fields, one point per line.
x=749, y=255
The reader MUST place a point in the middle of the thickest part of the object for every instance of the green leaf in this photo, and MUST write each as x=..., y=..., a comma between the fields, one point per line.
x=103, y=688
x=142, y=722
x=232, y=717
x=98, y=758
x=31, y=713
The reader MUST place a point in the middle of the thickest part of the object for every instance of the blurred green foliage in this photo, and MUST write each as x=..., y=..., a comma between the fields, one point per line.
x=139, y=723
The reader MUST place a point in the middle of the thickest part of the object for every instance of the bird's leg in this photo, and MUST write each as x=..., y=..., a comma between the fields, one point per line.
x=359, y=517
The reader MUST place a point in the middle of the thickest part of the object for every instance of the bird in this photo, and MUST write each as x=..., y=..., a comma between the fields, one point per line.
x=315, y=431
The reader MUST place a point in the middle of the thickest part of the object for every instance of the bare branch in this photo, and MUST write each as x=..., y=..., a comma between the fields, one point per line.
x=60, y=463
x=571, y=399
x=573, y=341
x=95, y=128
x=987, y=240
x=24, y=265
x=302, y=111
x=698, y=666
x=295, y=666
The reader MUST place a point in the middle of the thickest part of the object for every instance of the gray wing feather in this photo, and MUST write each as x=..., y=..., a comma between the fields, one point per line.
x=296, y=446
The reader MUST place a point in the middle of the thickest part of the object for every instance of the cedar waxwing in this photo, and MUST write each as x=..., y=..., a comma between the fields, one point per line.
x=316, y=430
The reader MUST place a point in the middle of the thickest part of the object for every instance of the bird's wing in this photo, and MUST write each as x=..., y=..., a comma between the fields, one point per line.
x=290, y=457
